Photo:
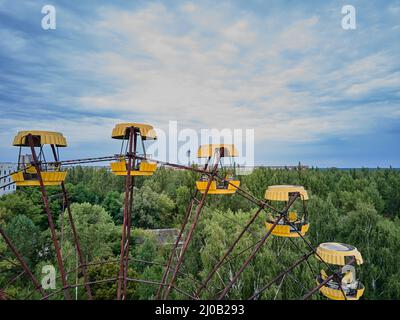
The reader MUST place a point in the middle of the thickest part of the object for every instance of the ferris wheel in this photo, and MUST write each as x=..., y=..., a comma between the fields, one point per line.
x=336, y=281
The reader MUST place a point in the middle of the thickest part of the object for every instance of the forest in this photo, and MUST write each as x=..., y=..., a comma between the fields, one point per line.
x=360, y=207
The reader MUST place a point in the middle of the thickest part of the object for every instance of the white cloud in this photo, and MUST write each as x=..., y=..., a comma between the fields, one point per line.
x=221, y=66
x=79, y=131
x=214, y=78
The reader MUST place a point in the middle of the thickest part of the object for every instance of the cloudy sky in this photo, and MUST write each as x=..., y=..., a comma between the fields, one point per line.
x=312, y=91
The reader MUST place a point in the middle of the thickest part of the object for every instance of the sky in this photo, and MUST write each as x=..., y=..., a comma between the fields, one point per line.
x=311, y=91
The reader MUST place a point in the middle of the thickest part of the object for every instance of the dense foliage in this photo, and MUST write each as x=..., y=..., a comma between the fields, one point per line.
x=360, y=207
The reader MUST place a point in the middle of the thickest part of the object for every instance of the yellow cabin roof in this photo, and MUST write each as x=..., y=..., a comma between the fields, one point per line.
x=281, y=192
x=40, y=138
x=147, y=131
x=208, y=150
x=335, y=253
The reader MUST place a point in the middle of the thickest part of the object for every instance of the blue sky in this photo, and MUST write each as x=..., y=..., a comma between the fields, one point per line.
x=312, y=91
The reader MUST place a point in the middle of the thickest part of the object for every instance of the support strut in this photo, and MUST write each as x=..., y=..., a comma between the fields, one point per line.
x=192, y=227
x=281, y=275
x=124, y=253
x=177, y=241
x=49, y=218
x=126, y=266
x=334, y=275
x=232, y=246
x=258, y=247
x=21, y=260
x=74, y=233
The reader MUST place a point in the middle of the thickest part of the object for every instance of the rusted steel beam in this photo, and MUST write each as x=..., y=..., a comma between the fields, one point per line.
x=110, y=158
x=192, y=228
x=248, y=195
x=49, y=218
x=130, y=259
x=161, y=284
x=129, y=220
x=12, y=280
x=317, y=254
x=21, y=260
x=150, y=282
x=178, y=239
x=3, y=295
x=126, y=217
x=74, y=232
x=231, y=247
x=77, y=244
x=258, y=247
x=333, y=275
x=281, y=275
x=88, y=160
x=127, y=242
x=175, y=165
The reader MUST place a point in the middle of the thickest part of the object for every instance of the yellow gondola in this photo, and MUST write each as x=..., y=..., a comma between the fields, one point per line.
x=51, y=173
x=140, y=167
x=340, y=254
x=298, y=222
x=211, y=151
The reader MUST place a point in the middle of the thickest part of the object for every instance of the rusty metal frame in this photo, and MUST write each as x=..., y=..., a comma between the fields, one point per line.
x=316, y=253
x=192, y=227
x=129, y=187
x=258, y=247
x=281, y=275
x=22, y=262
x=126, y=225
x=73, y=228
x=188, y=213
x=333, y=275
x=150, y=282
x=49, y=218
x=227, y=252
